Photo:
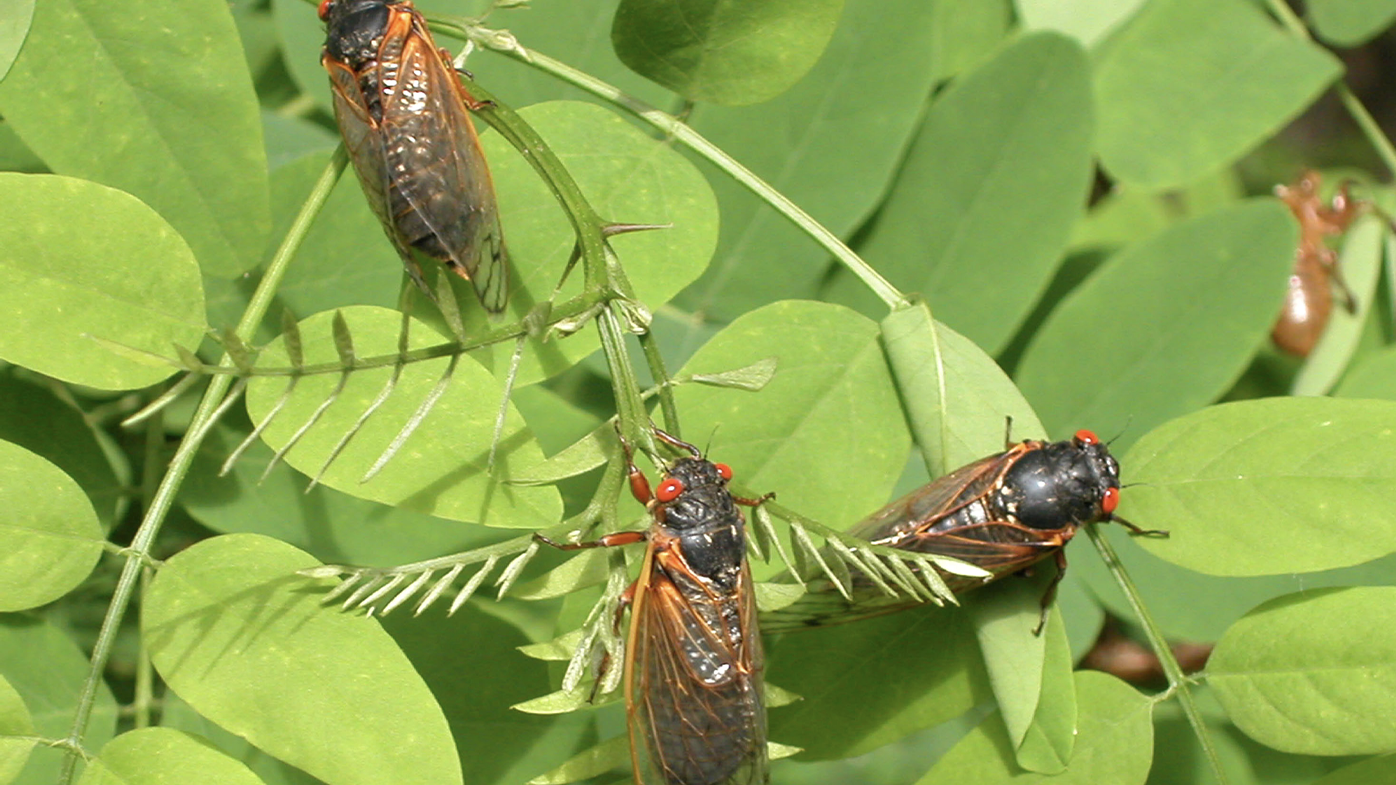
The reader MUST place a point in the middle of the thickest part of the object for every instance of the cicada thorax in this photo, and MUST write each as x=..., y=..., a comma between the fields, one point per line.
x=1309, y=299
x=402, y=113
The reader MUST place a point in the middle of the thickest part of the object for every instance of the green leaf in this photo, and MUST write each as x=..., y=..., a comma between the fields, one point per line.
x=1191, y=85
x=14, y=721
x=173, y=118
x=441, y=468
x=1268, y=486
x=996, y=237
x=1373, y=771
x=34, y=418
x=793, y=437
x=628, y=176
x=834, y=163
x=47, y=669
x=592, y=762
x=843, y=671
x=89, y=270
x=1168, y=324
x=1307, y=673
x=724, y=52
x=1114, y=743
x=15, y=19
x=247, y=642
x=1361, y=265
x=155, y=756
x=956, y=397
x=1030, y=673
x=1088, y=21
x=334, y=527
x=1348, y=23
x=50, y=539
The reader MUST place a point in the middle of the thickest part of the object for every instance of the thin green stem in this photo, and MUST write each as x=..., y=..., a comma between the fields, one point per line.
x=1379, y=141
x=695, y=141
x=1177, y=680
x=663, y=383
x=160, y=504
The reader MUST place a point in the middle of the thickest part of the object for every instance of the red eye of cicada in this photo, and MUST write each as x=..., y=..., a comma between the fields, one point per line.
x=1110, y=501
x=669, y=490
x=724, y=471
x=1087, y=437
x=325, y=9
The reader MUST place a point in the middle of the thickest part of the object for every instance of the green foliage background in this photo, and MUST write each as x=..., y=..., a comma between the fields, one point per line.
x=1067, y=205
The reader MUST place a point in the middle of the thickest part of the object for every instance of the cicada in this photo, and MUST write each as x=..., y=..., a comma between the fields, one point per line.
x=1309, y=299
x=403, y=115
x=693, y=663
x=1003, y=513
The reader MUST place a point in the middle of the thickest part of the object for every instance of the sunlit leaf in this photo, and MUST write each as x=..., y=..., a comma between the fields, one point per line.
x=1307, y=673
x=87, y=272
x=246, y=641
x=155, y=101
x=155, y=756
x=49, y=539
x=1240, y=484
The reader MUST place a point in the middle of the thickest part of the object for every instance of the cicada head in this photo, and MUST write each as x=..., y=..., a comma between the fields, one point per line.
x=354, y=29
x=1063, y=484
x=693, y=495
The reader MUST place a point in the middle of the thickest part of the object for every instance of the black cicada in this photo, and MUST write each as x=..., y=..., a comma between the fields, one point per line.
x=693, y=657
x=403, y=115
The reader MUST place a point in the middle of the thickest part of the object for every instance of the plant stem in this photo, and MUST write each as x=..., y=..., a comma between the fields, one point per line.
x=1177, y=680
x=159, y=505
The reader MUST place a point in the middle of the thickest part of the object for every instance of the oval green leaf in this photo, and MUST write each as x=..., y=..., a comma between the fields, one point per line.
x=247, y=642
x=1268, y=486
x=172, y=118
x=156, y=756
x=722, y=52
x=834, y=163
x=15, y=19
x=97, y=283
x=1190, y=85
x=794, y=436
x=1164, y=326
x=48, y=669
x=1347, y=23
x=1114, y=743
x=441, y=469
x=1308, y=673
x=14, y=722
x=50, y=539
x=995, y=239
x=956, y=397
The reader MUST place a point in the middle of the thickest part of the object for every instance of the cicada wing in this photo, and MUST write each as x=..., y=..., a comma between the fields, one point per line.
x=693, y=687
x=366, y=146
x=923, y=508
x=1001, y=547
x=441, y=194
